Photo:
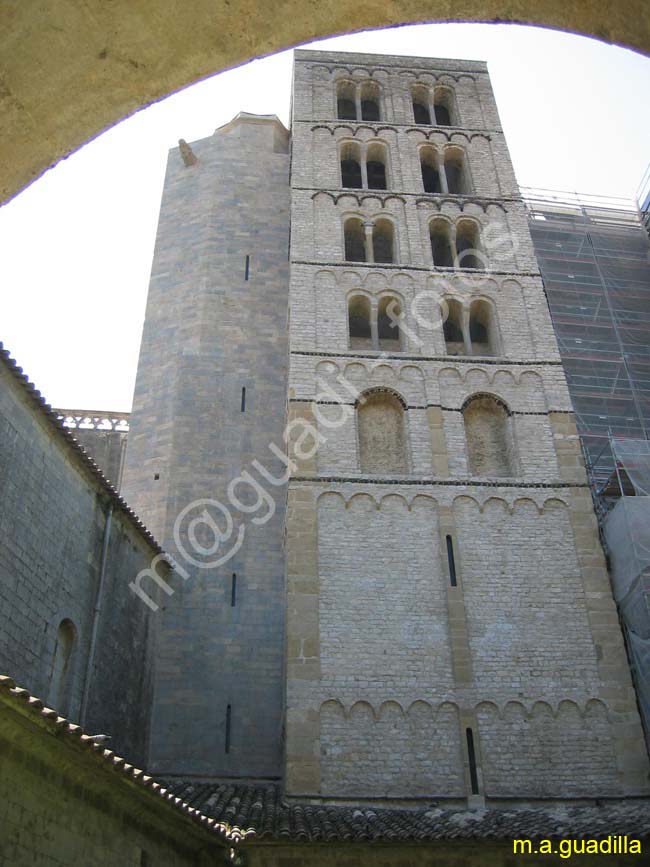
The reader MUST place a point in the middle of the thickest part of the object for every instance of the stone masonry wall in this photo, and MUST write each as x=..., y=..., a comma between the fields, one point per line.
x=52, y=525
x=215, y=325
x=59, y=806
x=394, y=651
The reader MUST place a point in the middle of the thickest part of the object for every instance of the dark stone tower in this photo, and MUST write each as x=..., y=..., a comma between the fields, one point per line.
x=210, y=398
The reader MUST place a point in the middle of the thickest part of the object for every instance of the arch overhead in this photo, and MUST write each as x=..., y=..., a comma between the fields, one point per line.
x=71, y=71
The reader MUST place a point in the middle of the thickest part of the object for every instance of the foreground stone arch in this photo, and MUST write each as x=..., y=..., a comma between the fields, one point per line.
x=71, y=70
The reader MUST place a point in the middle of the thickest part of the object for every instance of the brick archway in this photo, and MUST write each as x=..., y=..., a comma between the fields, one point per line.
x=72, y=70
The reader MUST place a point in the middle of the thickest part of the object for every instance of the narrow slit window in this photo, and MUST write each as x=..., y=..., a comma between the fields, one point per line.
x=233, y=590
x=471, y=755
x=247, y=267
x=452, y=561
x=228, y=720
x=243, y=399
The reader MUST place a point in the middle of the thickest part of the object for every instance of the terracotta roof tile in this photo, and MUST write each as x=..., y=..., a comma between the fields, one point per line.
x=22, y=699
x=262, y=810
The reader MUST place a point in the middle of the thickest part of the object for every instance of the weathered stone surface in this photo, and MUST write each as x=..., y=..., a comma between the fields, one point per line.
x=525, y=650
x=215, y=325
x=54, y=514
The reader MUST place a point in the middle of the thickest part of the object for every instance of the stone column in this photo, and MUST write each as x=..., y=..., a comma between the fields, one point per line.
x=364, y=172
x=302, y=644
x=432, y=109
x=464, y=325
x=370, y=253
x=452, y=244
x=442, y=174
x=374, y=331
x=357, y=102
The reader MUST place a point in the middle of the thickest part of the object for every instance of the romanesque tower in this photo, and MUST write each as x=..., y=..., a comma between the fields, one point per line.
x=430, y=616
x=450, y=626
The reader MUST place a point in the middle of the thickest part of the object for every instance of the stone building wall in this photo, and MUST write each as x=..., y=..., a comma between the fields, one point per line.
x=53, y=525
x=63, y=802
x=215, y=326
x=103, y=436
x=511, y=648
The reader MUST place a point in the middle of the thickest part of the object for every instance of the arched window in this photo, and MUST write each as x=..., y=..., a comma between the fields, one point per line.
x=370, y=101
x=455, y=171
x=488, y=436
x=453, y=328
x=429, y=167
x=351, y=166
x=359, y=322
x=443, y=117
x=376, y=167
x=467, y=244
x=441, y=250
x=481, y=329
x=442, y=106
x=382, y=439
x=346, y=106
x=355, y=240
x=421, y=113
x=383, y=241
x=60, y=682
x=388, y=332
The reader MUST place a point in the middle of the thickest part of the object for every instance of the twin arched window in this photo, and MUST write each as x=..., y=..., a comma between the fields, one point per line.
x=383, y=442
x=358, y=100
x=444, y=173
x=360, y=172
x=469, y=331
x=455, y=246
x=369, y=241
x=382, y=433
x=488, y=433
x=432, y=106
x=377, y=327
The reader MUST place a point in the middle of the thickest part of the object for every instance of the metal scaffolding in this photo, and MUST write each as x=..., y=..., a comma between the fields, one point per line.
x=594, y=256
x=643, y=200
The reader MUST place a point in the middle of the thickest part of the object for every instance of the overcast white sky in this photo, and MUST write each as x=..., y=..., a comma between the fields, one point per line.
x=76, y=247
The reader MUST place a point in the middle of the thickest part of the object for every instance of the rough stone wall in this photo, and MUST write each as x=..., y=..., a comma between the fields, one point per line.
x=401, y=854
x=381, y=435
x=107, y=448
x=425, y=753
x=487, y=433
x=213, y=328
x=381, y=624
x=58, y=807
x=52, y=525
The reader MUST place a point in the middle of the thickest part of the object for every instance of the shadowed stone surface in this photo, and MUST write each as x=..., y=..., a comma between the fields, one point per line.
x=216, y=324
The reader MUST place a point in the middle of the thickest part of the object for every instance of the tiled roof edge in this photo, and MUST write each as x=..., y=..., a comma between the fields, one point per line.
x=51, y=415
x=21, y=698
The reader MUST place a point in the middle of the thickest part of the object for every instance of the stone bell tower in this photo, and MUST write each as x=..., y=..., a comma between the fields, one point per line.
x=450, y=626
